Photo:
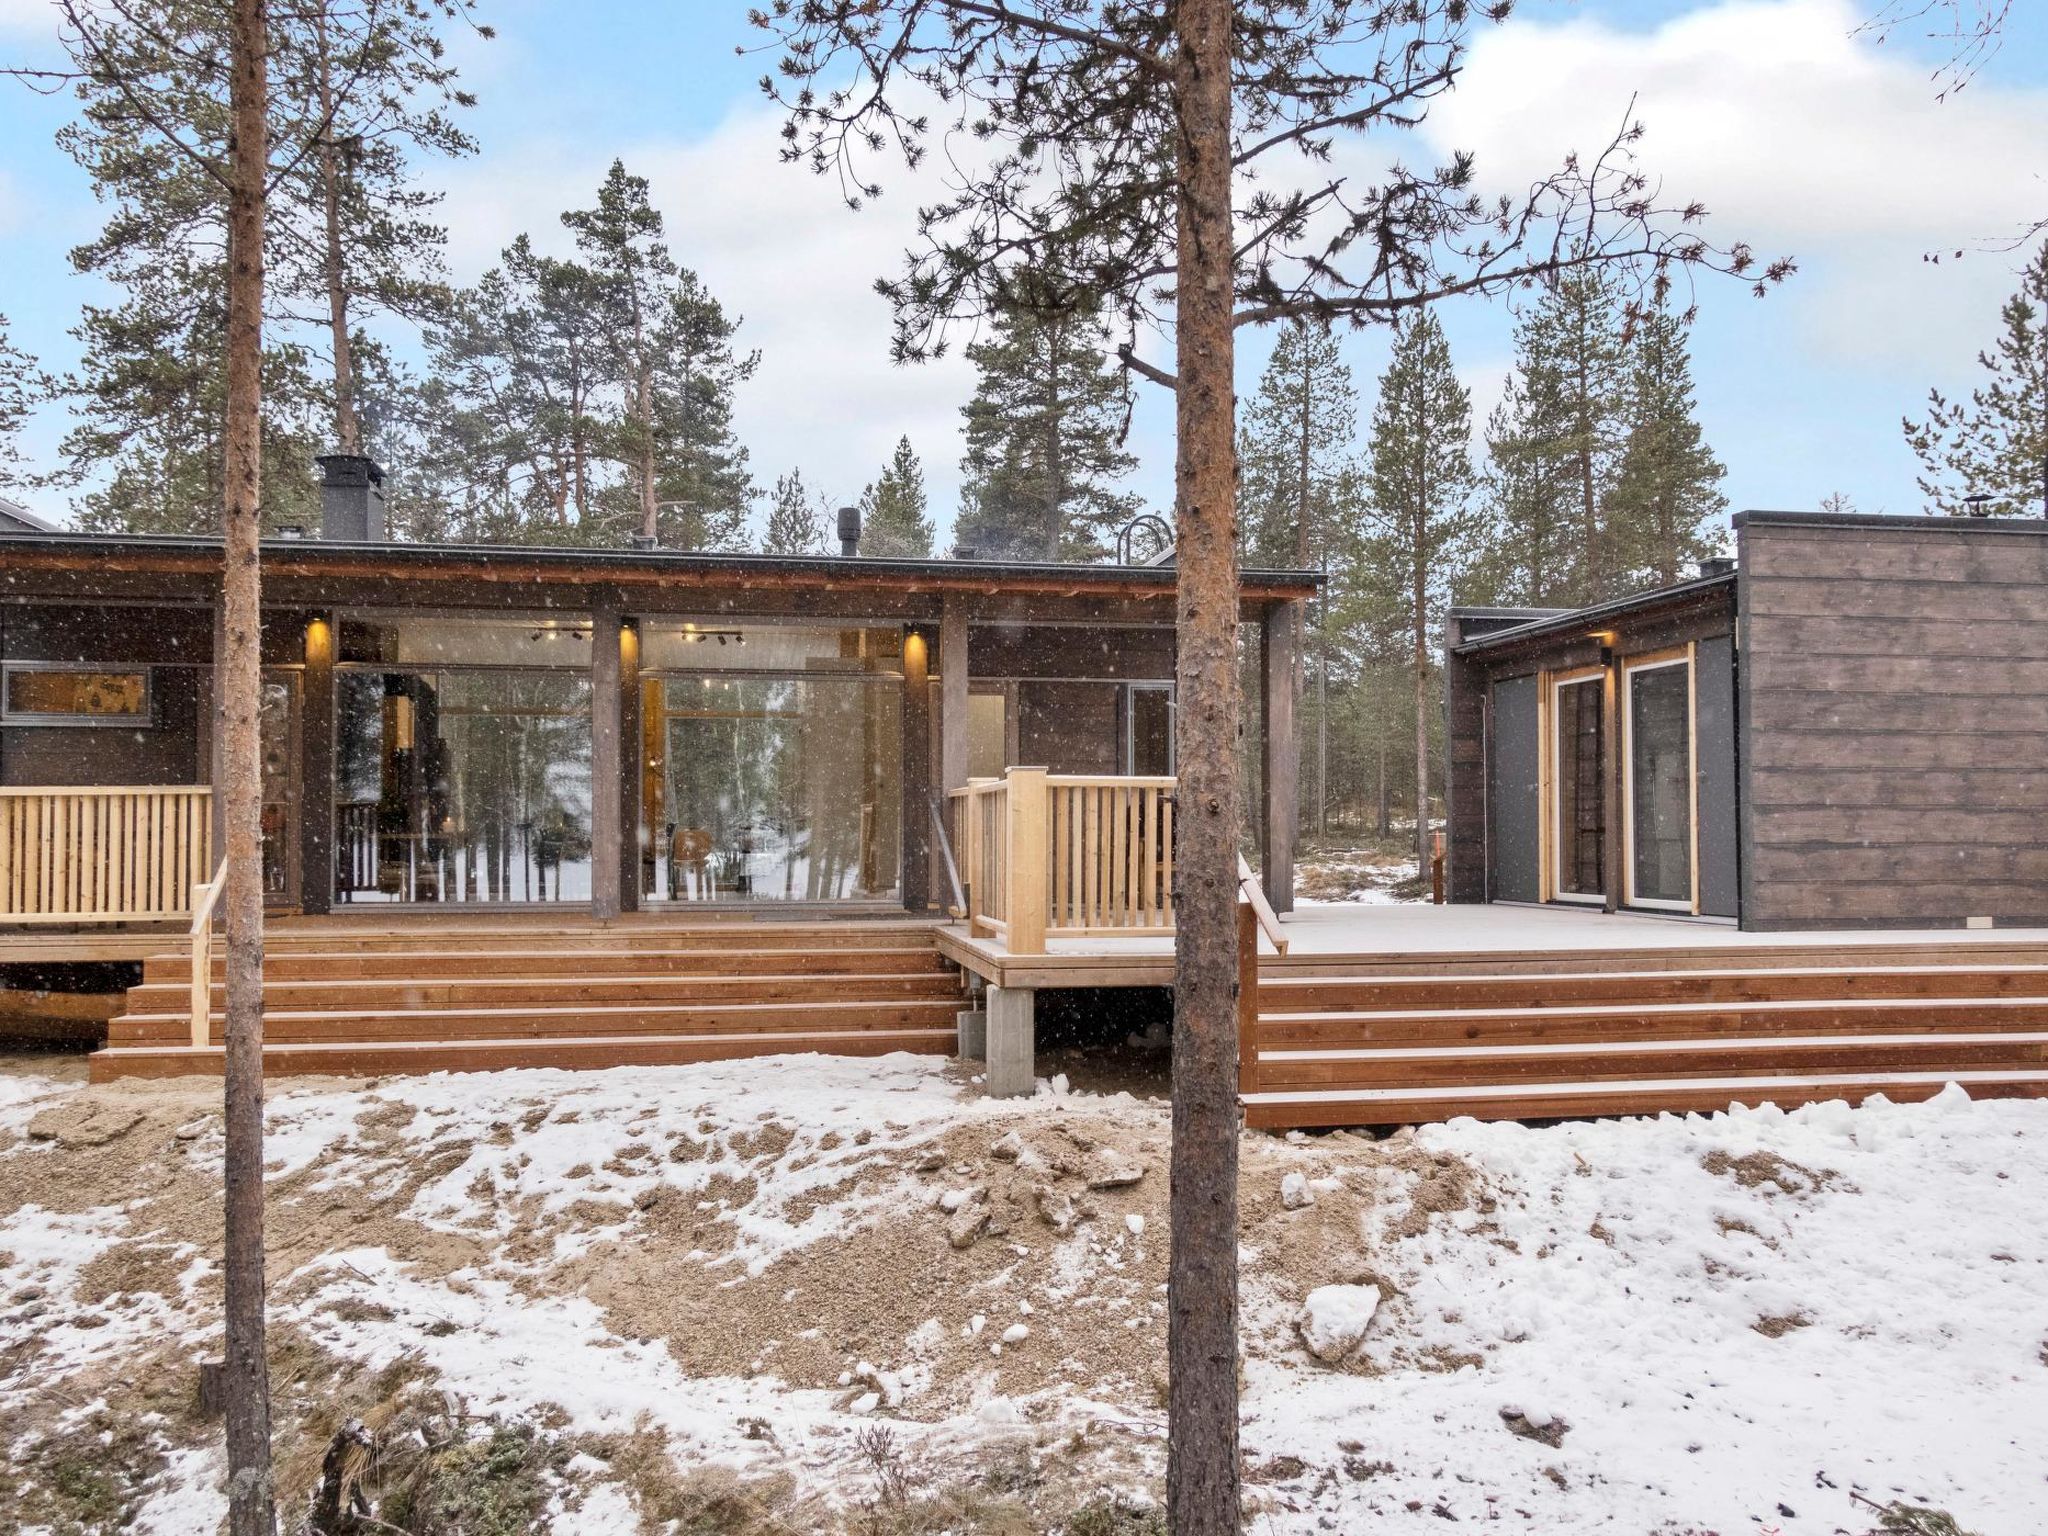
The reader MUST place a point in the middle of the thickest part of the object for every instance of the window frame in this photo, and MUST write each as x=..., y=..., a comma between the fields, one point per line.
x=1653, y=661
x=1552, y=799
x=145, y=719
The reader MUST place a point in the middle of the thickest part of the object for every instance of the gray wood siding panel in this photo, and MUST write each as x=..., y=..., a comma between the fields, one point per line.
x=1513, y=793
x=1714, y=696
x=1896, y=740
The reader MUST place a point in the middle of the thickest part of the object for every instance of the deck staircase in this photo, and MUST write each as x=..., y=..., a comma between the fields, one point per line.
x=470, y=996
x=1405, y=1039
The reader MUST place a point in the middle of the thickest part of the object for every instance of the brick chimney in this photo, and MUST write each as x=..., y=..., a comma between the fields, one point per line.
x=351, y=498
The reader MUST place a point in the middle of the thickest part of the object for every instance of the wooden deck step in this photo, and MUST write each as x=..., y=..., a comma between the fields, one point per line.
x=1288, y=1109
x=1798, y=1055
x=581, y=1019
x=1288, y=994
x=427, y=936
x=1655, y=1022
x=376, y=965
x=500, y=992
x=357, y=1058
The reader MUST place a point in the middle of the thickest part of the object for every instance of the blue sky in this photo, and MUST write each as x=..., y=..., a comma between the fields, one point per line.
x=1801, y=136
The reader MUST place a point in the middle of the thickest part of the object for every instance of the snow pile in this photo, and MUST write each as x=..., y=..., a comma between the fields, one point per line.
x=1675, y=1324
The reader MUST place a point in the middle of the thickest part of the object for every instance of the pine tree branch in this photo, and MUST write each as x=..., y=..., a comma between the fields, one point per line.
x=1126, y=355
x=999, y=11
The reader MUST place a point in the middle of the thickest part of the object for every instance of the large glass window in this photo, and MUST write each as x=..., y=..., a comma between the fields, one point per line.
x=1660, y=784
x=456, y=785
x=1578, y=813
x=772, y=768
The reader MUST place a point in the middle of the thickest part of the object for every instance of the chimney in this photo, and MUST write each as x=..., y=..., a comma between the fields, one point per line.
x=351, y=498
x=849, y=531
x=1717, y=565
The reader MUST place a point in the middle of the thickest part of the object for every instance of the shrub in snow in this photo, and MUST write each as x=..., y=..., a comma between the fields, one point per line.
x=1334, y=1318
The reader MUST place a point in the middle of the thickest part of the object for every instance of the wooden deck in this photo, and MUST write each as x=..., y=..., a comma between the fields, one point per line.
x=1388, y=1016
x=1376, y=1015
x=349, y=995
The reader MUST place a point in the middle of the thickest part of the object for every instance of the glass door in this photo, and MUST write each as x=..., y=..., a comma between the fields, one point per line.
x=1578, y=811
x=278, y=748
x=1657, y=757
x=1148, y=730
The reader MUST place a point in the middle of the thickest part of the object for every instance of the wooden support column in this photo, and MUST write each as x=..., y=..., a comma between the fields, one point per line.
x=215, y=726
x=631, y=748
x=1281, y=764
x=917, y=768
x=953, y=694
x=1030, y=836
x=316, y=776
x=604, y=761
x=1612, y=836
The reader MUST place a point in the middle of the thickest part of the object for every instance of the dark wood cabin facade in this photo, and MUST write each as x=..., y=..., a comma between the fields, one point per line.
x=1844, y=727
x=481, y=728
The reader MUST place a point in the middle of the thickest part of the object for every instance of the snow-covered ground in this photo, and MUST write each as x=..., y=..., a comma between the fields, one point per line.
x=1700, y=1324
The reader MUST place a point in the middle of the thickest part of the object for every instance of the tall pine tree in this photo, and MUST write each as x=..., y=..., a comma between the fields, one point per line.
x=1421, y=483
x=1995, y=444
x=1043, y=434
x=796, y=519
x=1294, y=455
x=1667, y=489
x=893, y=524
x=1557, y=453
x=22, y=385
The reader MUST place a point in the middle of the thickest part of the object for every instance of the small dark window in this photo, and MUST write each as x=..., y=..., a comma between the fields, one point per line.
x=34, y=693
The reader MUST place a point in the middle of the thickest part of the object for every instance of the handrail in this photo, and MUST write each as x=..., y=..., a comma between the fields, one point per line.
x=945, y=846
x=1255, y=897
x=204, y=899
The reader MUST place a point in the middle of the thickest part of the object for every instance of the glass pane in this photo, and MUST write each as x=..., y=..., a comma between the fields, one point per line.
x=1151, y=731
x=986, y=735
x=541, y=640
x=727, y=647
x=1660, y=774
x=1581, y=815
x=463, y=787
x=772, y=789
x=280, y=822
x=60, y=693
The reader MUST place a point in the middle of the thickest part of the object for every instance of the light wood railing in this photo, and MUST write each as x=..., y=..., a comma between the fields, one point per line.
x=204, y=899
x=103, y=855
x=1065, y=855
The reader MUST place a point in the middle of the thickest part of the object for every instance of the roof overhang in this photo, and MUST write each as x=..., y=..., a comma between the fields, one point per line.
x=1577, y=621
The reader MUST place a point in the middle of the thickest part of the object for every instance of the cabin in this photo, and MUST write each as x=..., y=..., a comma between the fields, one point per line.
x=582, y=748
x=1845, y=726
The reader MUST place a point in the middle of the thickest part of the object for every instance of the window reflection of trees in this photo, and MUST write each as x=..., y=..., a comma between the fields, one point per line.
x=463, y=786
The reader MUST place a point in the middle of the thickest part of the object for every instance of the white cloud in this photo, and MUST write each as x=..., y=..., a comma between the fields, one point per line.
x=778, y=248
x=1801, y=138
x=31, y=17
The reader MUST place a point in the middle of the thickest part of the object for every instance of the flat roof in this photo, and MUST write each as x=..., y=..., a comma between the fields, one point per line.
x=310, y=556
x=1891, y=522
x=1613, y=608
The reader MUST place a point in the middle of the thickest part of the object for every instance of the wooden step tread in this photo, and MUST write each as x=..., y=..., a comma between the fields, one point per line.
x=565, y=1011
x=1637, y=1010
x=1760, y=1043
x=710, y=986
x=345, y=1058
x=1278, y=1109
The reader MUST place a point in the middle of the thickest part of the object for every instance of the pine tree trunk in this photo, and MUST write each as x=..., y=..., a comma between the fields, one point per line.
x=240, y=671
x=1419, y=597
x=1386, y=801
x=1201, y=1346
x=348, y=432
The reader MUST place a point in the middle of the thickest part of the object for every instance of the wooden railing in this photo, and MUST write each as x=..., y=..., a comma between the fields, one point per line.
x=1065, y=855
x=1052, y=855
x=204, y=899
x=112, y=855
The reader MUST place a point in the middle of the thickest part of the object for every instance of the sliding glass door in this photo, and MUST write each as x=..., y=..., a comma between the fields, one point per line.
x=1658, y=790
x=1578, y=811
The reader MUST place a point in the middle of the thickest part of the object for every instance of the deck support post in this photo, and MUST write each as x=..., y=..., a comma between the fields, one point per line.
x=604, y=761
x=631, y=750
x=973, y=1026
x=316, y=776
x=1012, y=1042
x=1281, y=767
x=953, y=694
x=917, y=770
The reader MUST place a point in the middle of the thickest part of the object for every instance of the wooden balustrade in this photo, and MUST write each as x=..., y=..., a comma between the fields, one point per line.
x=204, y=899
x=103, y=855
x=1064, y=856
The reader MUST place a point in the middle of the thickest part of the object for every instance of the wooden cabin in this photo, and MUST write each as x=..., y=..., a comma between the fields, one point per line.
x=1844, y=726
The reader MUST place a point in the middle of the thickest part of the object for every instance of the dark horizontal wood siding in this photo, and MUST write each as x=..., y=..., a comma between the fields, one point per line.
x=1895, y=699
